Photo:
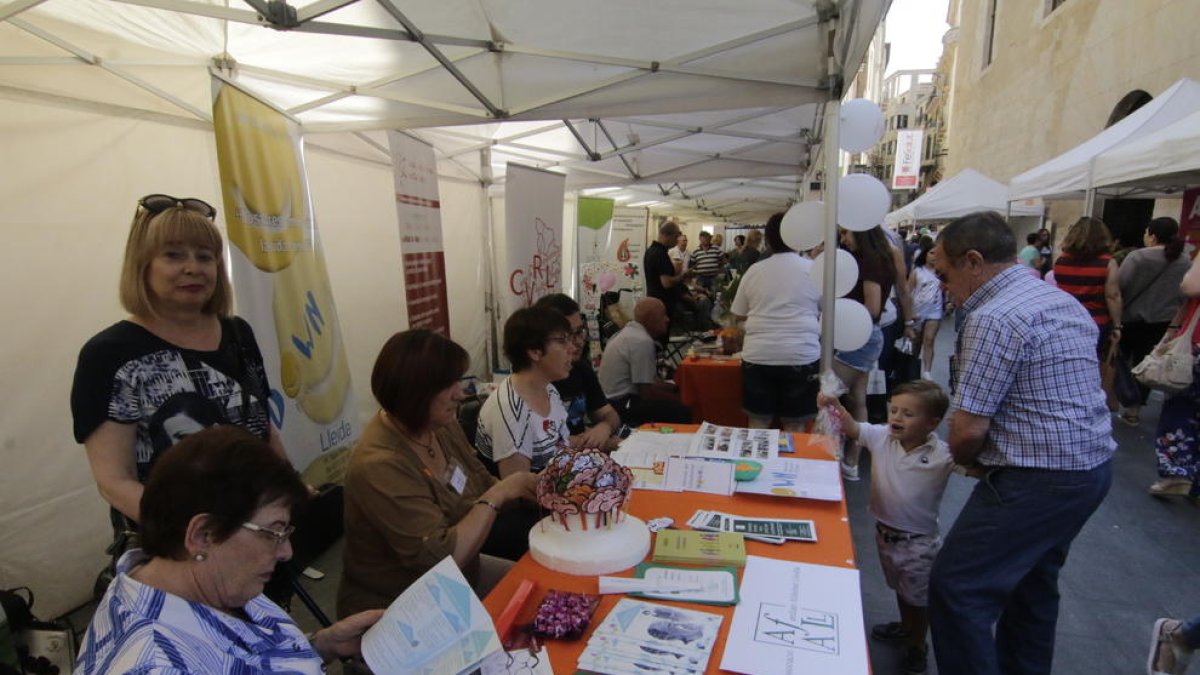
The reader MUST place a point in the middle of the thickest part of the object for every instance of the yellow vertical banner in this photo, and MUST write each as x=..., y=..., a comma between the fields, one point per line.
x=281, y=283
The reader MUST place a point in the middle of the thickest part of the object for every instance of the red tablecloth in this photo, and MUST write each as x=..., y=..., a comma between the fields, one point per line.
x=834, y=547
x=713, y=389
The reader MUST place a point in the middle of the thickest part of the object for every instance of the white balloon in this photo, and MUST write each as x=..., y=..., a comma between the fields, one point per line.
x=845, y=272
x=863, y=201
x=803, y=225
x=861, y=125
x=851, y=324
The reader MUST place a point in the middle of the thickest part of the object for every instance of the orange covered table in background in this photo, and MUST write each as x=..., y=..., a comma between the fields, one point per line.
x=833, y=547
x=712, y=387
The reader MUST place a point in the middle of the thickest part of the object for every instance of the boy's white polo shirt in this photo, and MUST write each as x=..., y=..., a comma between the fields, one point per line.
x=906, y=487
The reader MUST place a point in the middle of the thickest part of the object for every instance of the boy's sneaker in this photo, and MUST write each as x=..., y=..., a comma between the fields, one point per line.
x=915, y=661
x=889, y=632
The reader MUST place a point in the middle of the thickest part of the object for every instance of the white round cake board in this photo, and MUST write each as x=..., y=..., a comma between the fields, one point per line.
x=592, y=551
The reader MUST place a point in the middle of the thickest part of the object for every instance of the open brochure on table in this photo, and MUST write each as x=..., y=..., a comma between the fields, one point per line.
x=787, y=477
x=437, y=626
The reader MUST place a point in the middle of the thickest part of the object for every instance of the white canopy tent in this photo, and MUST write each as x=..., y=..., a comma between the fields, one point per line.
x=1070, y=174
x=1161, y=162
x=707, y=106
x=965, y=192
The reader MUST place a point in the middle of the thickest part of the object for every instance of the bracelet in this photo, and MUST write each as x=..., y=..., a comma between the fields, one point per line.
x=489, y=503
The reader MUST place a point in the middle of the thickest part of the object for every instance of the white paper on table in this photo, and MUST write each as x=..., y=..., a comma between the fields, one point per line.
x=714, y=585
x=808, y=478
x=520, y=662
x=699, y=475
x=436, y=626
x=797, y=618
x=734, y=443
x=647, y=446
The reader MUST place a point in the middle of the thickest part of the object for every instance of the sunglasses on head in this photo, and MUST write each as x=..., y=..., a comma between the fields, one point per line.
x=158, y=203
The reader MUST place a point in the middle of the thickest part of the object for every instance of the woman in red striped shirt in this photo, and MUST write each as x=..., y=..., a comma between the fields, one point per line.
x=1087, y=271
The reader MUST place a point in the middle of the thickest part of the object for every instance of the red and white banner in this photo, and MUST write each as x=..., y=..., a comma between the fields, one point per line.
x=419, y=213
x=1189, y=217
x=906, y=175
x=533, y=214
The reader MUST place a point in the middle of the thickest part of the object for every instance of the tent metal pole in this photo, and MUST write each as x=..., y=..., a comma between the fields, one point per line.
x=488, y=268
x=831, y=147
x=1089, y=202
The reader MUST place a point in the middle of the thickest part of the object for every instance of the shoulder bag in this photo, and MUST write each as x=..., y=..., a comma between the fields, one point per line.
x=1168, y=367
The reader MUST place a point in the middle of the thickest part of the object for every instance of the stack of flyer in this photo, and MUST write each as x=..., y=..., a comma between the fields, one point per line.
x=643, y=637
x=770, y=530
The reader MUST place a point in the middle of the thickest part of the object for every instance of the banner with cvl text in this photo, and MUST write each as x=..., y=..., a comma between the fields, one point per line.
x=281, y=283
x=533, y=211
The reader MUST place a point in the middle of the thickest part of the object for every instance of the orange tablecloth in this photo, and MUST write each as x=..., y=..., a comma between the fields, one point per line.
x=833, y=547
x=713, y=389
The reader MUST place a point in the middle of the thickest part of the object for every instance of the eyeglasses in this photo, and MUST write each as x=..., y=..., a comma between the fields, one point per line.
x=579, y=335
x=279, y=537
x=560, y=339
x=157, y=203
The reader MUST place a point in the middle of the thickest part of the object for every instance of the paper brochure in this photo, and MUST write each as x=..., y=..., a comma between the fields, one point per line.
x=436, y=627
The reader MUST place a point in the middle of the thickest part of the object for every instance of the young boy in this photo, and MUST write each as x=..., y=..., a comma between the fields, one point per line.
x=910, y=466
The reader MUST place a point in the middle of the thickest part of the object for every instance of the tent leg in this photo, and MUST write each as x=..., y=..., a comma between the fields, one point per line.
x=489, y=281
x=832, y=149
x=1089, y=202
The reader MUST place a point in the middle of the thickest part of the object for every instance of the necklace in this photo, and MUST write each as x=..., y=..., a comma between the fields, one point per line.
x=404, y=432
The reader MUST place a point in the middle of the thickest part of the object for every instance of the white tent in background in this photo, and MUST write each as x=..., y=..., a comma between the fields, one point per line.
x=1167, y=159
x=1070, y=174
x=965, y=192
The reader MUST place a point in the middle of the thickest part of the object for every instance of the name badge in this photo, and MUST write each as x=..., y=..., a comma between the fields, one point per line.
x=458, y=478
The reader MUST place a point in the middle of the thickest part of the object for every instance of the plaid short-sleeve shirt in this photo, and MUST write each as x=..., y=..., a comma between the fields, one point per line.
x=1026, y=358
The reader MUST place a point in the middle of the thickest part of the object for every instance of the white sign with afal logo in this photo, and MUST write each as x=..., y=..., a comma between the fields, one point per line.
x=796, y=618
x=907, y=173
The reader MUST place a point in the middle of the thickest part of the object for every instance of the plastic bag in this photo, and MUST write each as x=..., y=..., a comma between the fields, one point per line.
x=829, y=424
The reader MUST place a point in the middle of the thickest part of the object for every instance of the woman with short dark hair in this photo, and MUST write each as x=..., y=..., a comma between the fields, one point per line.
x=216, y=514
x=523, y=422
x=1149, y=279
x=415, y=492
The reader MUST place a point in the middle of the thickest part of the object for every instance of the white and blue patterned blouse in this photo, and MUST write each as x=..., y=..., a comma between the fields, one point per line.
x=142, y=630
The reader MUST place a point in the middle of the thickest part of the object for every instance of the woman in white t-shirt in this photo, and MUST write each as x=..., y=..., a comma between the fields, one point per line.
x=524, y=422
x=781, y=353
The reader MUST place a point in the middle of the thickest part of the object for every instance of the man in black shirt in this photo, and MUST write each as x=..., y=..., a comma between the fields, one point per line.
x=581, y=393
x=661, y=280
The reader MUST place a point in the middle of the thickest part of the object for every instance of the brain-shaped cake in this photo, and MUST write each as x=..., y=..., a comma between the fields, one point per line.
x=584, y=483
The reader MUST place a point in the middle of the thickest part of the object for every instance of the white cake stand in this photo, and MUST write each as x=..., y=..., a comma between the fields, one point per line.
x=589, y=552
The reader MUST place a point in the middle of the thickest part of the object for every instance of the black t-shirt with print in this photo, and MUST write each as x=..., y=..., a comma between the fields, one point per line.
x=581, y=393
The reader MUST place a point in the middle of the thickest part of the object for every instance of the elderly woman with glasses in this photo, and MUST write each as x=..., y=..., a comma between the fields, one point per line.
x=415, y=491
x=524, y=422
x=177, y=363
x=216, y=514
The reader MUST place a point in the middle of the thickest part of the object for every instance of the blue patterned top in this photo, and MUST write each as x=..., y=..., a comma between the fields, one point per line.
x=142, y=630
x=1026, y=358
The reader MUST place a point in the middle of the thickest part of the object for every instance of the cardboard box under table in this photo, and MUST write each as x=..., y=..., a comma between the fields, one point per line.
x=834, y=547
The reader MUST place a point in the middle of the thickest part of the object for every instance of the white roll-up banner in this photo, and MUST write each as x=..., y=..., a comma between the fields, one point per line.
x=533, y=222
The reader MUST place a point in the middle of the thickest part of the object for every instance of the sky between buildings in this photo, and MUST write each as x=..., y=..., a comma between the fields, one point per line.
x=915, y=29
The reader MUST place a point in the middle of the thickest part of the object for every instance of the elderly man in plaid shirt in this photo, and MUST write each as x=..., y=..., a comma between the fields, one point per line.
x=1029, y=413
